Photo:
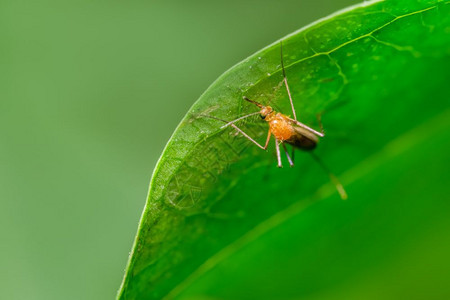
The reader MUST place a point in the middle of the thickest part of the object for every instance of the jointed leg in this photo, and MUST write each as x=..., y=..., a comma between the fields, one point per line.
x=269, y=133
x=293, y=154
x=333, y=178
x=319, y=120
x=277, y=147
x=249, y=138
x=241, y=131
x=285, y=81
x=238, y=119
x=291, y=163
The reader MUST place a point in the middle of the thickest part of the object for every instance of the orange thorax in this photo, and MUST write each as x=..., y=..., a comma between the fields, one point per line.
x=280, y=126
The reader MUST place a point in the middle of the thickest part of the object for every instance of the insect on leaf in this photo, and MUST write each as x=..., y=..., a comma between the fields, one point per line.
x=223, y=222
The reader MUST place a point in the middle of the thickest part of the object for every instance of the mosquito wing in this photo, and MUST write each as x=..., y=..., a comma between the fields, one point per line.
x=303, y=139
x=300, y=124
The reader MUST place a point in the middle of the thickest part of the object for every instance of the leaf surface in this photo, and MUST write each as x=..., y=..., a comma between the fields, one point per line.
x=223, y=221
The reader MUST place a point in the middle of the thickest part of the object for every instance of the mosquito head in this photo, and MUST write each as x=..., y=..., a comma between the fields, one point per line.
x=265, y=110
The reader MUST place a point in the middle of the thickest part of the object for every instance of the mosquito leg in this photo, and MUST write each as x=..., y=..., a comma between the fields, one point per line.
x=238, y=119
x=239, y=130
x=285, y=81
x=339, y=187
x=319, y=120
x=277, y=147
x=268, y=139
x=293, y=154
x=291, y=163
x=248, y=137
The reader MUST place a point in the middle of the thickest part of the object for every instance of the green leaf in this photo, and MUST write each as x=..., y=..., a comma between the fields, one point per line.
x=222, y=221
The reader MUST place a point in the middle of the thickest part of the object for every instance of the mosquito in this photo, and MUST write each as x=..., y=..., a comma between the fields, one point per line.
x=287, y=130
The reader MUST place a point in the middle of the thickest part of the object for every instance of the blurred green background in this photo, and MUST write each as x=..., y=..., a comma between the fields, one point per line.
x=90, y=92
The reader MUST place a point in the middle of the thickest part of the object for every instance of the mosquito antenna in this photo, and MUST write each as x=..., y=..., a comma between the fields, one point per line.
x=333, y=178
x=254, y=102
x=285, y=80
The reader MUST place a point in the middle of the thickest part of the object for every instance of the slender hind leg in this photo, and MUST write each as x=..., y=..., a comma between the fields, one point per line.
x=242, y=132
x=319, y=120
x=293, y=154
x=291, y=163
x=277, y=147
x=247, y=136
x=285, y=81
x=333, y=178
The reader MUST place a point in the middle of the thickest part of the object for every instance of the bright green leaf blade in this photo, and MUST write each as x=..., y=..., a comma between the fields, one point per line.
x=378, y=74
